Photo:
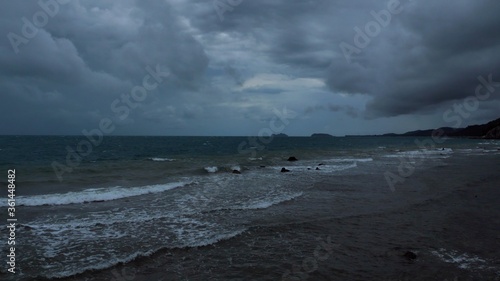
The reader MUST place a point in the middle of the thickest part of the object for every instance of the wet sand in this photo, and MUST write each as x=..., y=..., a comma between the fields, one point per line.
x=353, y=227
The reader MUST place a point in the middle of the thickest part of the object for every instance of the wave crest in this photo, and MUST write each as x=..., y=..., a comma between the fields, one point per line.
x=158, y=159
x=93, y=195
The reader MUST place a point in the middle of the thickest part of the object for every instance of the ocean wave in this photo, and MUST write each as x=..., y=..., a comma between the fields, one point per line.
x=225, y=168
x=463, y=261
x=266, y=203
x=101, y=264
x=323, y=167
x=254, y=159
x=158, y=159
x=352, y=160
x=201, y=238
x=93, y=195
x=211, y=169
x=489, y=142
x=423, y=153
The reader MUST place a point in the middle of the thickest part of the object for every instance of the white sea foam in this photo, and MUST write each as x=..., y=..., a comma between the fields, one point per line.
x=479, y=151
x=93, y=195
x=340, y=166
x=196, y=235
x=104, y=219
x=423, y=153
x=158, y=159
x=254, y=159
x=99, y=265
x=211, y=169
x=213, y=239
x=266, y=203
x=463, y=261
x=351, y=160
x=489, y=142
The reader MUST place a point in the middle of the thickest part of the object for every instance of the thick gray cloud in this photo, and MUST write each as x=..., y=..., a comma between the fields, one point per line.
x=233, y=63
x=431, y=54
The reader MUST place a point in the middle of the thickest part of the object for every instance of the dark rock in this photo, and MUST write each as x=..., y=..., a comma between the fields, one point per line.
x=262, y=166
x=236, y=172
x=283, y=170
x=410, y=255
x=309, y=168
x=321, y=164
x=292, y=158
x=317, y=169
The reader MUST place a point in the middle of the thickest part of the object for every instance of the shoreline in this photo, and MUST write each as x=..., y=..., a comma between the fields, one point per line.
x=368, y=240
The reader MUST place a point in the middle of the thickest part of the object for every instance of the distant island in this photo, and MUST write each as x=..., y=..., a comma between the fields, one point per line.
x=490, y=130
x=318, y=135
x=279, y=135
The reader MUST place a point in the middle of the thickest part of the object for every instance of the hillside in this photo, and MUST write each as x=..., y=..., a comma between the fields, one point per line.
x=490, y=130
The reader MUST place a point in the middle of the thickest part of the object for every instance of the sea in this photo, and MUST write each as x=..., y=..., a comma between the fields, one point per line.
x=81, y=208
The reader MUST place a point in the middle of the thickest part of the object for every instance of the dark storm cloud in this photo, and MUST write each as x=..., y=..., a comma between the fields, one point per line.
x=88, y=54
x=258, y=55
x=433, y=53
x=346, y=109
x=429, y=54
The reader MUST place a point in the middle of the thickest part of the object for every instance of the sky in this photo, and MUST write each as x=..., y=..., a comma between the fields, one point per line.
x=241, y=67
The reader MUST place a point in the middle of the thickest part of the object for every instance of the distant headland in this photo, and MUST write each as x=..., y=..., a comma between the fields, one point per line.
x=490, y=130
x=279, y=135
x=320, y=135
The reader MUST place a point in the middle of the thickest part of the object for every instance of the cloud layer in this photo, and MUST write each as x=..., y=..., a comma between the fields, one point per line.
x=233, y=62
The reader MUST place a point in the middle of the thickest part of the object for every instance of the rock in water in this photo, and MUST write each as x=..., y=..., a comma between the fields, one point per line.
x=292, y=158
x=236, y=172
x=283, y=170
x=317, y=169
x=410, y=255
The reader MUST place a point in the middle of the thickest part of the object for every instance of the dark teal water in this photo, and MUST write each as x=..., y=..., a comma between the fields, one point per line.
x=49, y=164
x=83, y=212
